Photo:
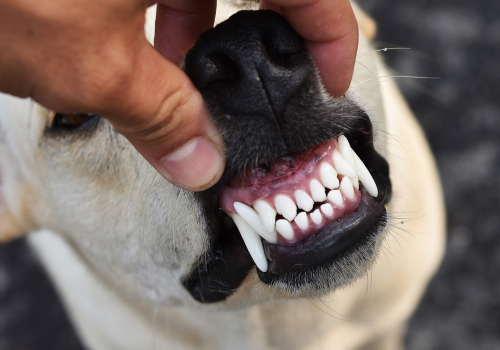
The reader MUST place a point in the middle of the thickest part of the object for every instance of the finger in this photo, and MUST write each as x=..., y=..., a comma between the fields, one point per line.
x=164, y=116
x=330, y=31
x=179, y=23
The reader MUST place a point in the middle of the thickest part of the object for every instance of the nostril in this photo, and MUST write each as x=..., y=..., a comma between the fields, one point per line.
x=219, y=69
x=282, y=48
x=286, y=59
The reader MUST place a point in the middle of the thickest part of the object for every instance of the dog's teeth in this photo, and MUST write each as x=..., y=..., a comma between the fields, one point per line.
x=346, y=151
x=341, y=165
x=301, y=220
x=285, y=206
x=365, y=177
x=355, y=182
x=346, y=188
x=253, y=219
x=267, y=214
x=316, y=217
x=284, y=227
x=328, y=176
x=327, y=209
x=252, y=241
x=304, y=201
x=317, y=191
x=335, y=197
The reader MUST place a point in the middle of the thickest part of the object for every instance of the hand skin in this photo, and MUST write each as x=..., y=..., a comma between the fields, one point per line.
x=92, y=56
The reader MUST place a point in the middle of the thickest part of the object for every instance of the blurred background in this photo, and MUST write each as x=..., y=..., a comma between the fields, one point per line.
x=456, y=40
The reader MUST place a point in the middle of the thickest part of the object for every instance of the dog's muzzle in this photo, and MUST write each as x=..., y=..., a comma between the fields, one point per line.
x=303, y=183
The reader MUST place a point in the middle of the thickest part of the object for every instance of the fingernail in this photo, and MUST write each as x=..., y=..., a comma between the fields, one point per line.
x=195, y=165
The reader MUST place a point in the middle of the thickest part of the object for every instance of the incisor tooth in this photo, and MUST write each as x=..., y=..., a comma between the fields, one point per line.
x=335, y=197
x=328, y=176
x=301, y=220
x=316, y=217
x=284, y=227
x=346, y=151
x=327, y=209
x=317, y=191
x=346, y=188
x=304, y=201
x=253, y=219
x=341, y=165
x=285, y=206
x=365, y=177
x=267, y=214
x=252, y=241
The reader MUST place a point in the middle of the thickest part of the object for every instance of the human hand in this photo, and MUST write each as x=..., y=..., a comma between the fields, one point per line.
x=93, y=56
x=330, y=31
x=111, y=69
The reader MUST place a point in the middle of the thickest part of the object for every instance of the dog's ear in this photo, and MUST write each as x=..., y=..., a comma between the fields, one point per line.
x=366, y=24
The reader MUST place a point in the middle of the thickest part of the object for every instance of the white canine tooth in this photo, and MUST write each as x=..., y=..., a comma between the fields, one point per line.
x=301, y=220
x=342, y=166
x=328, y=176
x=285, y=206
x=267, y=214
x=284, y=227
x=253, y=219
x=327, y=209
x=346, y=151
x=365, y=177
x=316, y=217
x=346, y=187
x=252, y=241
x=304, y=201
x=335, y=197
x=317, y=191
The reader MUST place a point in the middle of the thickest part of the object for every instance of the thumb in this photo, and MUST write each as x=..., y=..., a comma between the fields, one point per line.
x=164, y=116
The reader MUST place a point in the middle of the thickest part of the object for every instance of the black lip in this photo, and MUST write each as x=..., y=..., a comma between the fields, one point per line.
x=327, y=244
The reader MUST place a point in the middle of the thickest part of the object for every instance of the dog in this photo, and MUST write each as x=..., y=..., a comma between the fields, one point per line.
x=252, y=263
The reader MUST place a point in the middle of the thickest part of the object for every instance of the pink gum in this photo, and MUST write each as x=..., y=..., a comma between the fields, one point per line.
x=257, y=183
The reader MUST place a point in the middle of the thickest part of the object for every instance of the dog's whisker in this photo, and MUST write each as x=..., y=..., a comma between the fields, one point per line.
x=385, y=49
x=408, y=77
x=338, y=317
x=371, y=72
x=361, y=82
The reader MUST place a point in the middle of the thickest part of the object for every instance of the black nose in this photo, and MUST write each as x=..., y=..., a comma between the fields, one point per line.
x=251, y=65
x=262, y=89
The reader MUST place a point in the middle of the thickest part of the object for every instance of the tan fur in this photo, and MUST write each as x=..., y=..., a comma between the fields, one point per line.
x=115, y=238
